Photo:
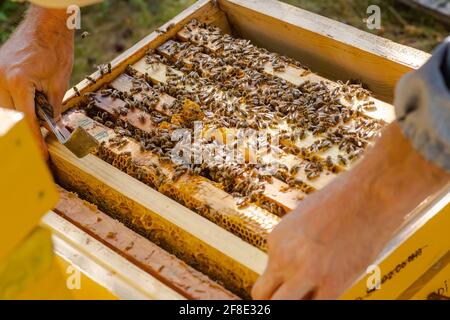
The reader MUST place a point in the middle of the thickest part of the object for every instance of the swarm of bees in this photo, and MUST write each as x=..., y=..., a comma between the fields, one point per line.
x=227, y=79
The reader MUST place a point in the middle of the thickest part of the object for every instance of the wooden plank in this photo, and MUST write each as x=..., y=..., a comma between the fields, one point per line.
x=204, y=10
x=105, y=273
x=140, y=251
x=197, y=241
x=440, y=9
x=332, y=49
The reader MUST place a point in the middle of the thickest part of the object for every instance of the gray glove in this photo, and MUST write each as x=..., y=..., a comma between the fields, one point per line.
x=422, y=106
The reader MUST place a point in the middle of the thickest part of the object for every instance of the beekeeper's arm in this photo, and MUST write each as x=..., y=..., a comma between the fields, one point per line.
x=38, y=56
x=321, y=248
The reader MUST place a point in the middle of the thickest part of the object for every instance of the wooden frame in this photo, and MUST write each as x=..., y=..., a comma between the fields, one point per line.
x=144, y=254
x=189, y=233
x=332, y=49
x=101, y=264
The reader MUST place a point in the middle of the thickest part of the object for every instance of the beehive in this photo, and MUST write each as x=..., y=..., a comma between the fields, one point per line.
x=201, y=67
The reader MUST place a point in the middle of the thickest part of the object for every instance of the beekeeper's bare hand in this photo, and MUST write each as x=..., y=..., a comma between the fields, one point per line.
x=321, y=248
x=38, y=56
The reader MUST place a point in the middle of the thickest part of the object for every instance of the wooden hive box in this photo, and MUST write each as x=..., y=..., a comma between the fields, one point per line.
x=330, y=49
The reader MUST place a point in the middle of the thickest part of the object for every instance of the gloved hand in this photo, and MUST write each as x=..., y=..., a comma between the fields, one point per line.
x=422, y=106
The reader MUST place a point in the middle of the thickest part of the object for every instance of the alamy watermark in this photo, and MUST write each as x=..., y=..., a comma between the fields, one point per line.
x=222, y=145
x=373, y=21
x=73, y=281
x=373, y=278
x=74, y=17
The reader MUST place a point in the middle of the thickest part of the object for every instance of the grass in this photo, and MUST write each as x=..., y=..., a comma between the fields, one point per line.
x=115, y=25
x=10, y=16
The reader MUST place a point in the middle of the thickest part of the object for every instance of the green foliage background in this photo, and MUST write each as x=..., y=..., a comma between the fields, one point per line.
x=115, y=25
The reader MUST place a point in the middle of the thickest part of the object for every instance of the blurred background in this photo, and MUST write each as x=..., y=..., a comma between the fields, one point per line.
x=115, y=25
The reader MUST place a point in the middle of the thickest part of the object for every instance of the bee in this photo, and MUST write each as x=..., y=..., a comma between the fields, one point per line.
x=177, y=175
x=312, y=175
x=295, y=169
x=91, y=80
x=329, y=162
x=111, y=235
x=142, y=119
x=106, y=92
x=342, y=160
x=370, y=106
x=90, y=95
x=123, y=111
x=170, y=27
x=130, y=71
x=77, y=92
x=91, y=105
x=135, y=90
x=101, y=69
x=116, y=113
x=279, y=67
x=120, y=145
x=116, y=94
x=166, y=158
x=84, y=34
x=98, y=119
